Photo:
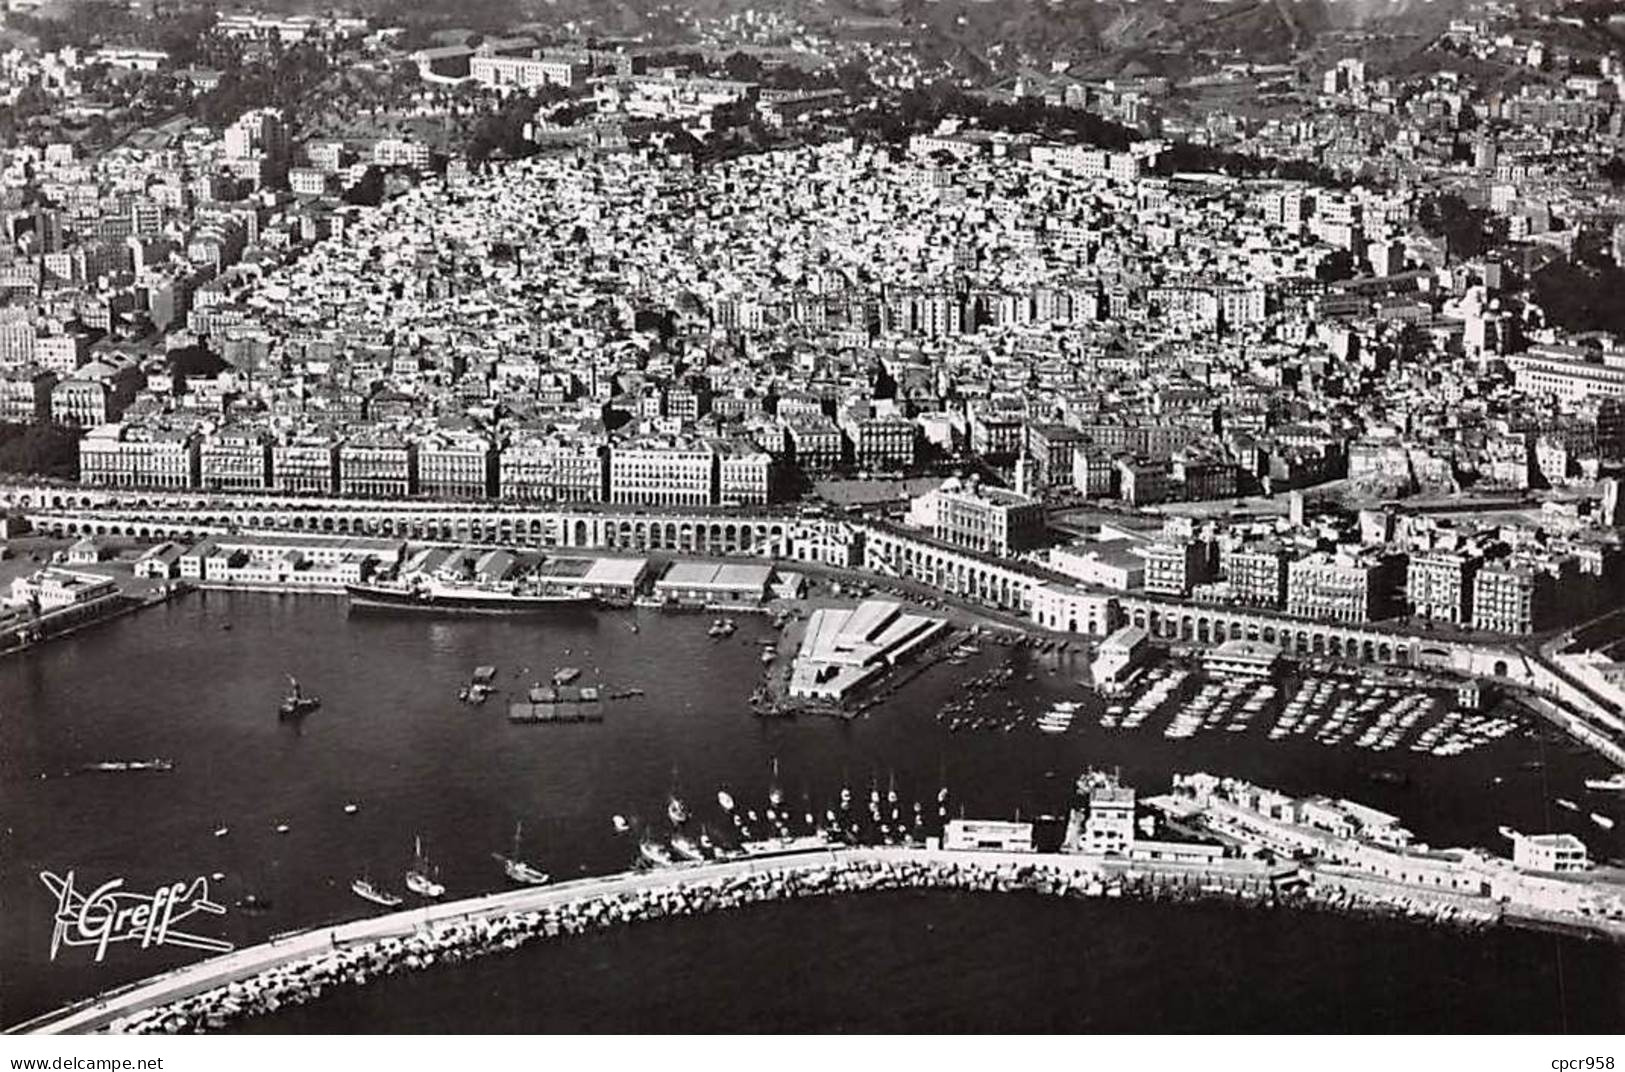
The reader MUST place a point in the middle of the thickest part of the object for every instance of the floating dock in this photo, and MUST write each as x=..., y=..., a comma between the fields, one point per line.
x=554, y=712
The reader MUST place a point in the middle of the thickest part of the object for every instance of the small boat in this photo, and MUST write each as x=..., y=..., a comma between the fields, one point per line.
x=768, y=655
x=1614, y=783
x=121, y=766
x=516, y=869
x=775, y=795
x=221, y=831
x=282, y=828
x=685, y=848
x=417, y=878
x=566, y=674
x=655, y=853
x=296, y=703
x=365, y=890
x=350, y=809
x=620, y=823
x=217, y=876
x=253, y=904
x=1568, y=804
x=1507, y=832
x=1602, y=821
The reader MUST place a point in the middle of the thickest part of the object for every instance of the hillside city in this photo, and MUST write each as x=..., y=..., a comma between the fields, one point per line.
x=1100, y=312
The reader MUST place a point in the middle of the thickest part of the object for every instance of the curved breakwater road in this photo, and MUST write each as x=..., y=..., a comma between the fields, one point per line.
x=296, y=967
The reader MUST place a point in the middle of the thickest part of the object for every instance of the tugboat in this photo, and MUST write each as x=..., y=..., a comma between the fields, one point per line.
x=364, y=889
x=296, y=704
x=516, y=869
x=417, y=879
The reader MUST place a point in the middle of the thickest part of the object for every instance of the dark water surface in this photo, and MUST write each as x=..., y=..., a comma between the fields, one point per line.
x=391, y=736
x=941, y=961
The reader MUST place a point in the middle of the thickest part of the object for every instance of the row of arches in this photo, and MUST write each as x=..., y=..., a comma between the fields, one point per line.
x=955, y=574
x=1192, y=625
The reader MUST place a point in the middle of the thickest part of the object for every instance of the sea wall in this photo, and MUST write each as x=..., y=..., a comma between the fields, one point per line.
x=354, y=961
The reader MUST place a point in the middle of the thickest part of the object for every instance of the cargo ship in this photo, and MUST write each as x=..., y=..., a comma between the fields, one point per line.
x=437, y=597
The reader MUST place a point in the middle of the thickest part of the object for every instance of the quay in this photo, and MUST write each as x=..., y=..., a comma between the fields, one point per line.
x=293, y=968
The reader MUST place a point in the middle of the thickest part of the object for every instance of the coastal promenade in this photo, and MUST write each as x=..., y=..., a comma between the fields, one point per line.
x=101, y=1012
x=296, y=967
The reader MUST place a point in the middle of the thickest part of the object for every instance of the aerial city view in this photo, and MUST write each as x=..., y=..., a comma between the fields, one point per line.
x=812, y=515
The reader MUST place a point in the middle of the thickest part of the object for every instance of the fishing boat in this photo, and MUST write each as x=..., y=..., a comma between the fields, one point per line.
x=365, y=890
x=1602, y=821
x=655, y=853
x=516, y=869
x=296, y=703
x=1614, y=783
x=724, y=800
x=417, y=878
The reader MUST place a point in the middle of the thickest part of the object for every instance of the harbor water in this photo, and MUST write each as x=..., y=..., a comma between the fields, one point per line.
x=391, y=738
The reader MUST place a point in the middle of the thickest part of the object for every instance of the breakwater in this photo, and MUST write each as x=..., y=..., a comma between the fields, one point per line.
x=300, y=968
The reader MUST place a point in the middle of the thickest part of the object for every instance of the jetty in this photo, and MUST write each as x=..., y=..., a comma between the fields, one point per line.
x=295, y=968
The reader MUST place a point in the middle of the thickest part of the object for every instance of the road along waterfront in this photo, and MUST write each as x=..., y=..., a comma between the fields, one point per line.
x=297, y=968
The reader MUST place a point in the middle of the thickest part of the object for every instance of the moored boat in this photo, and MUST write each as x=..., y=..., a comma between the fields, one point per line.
x=425, y=595
x=365, y=890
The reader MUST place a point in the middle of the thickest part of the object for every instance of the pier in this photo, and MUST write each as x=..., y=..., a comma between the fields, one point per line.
x=293, y=968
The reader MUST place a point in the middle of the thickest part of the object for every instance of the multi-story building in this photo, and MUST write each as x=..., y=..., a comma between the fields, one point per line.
x=235, y=459
x=135, y=456
x=1346, y=586
x=1093, y=474
x=886, y=443
x=1439, y=585
x=98, y=394
x=991, y=520
x=744, y=474
x=25, y=395
x=1053, y=448
x=308, y=464
x=1257, y=574
x=538, y=468
x=1569, y=373
x=815, y=442
x=381, y=465
x=996, y=433
x=62, y=352
x=663, y=474
x=462, y=466
x=1512, y=597
x=1173, y=567
x=1141, y=482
